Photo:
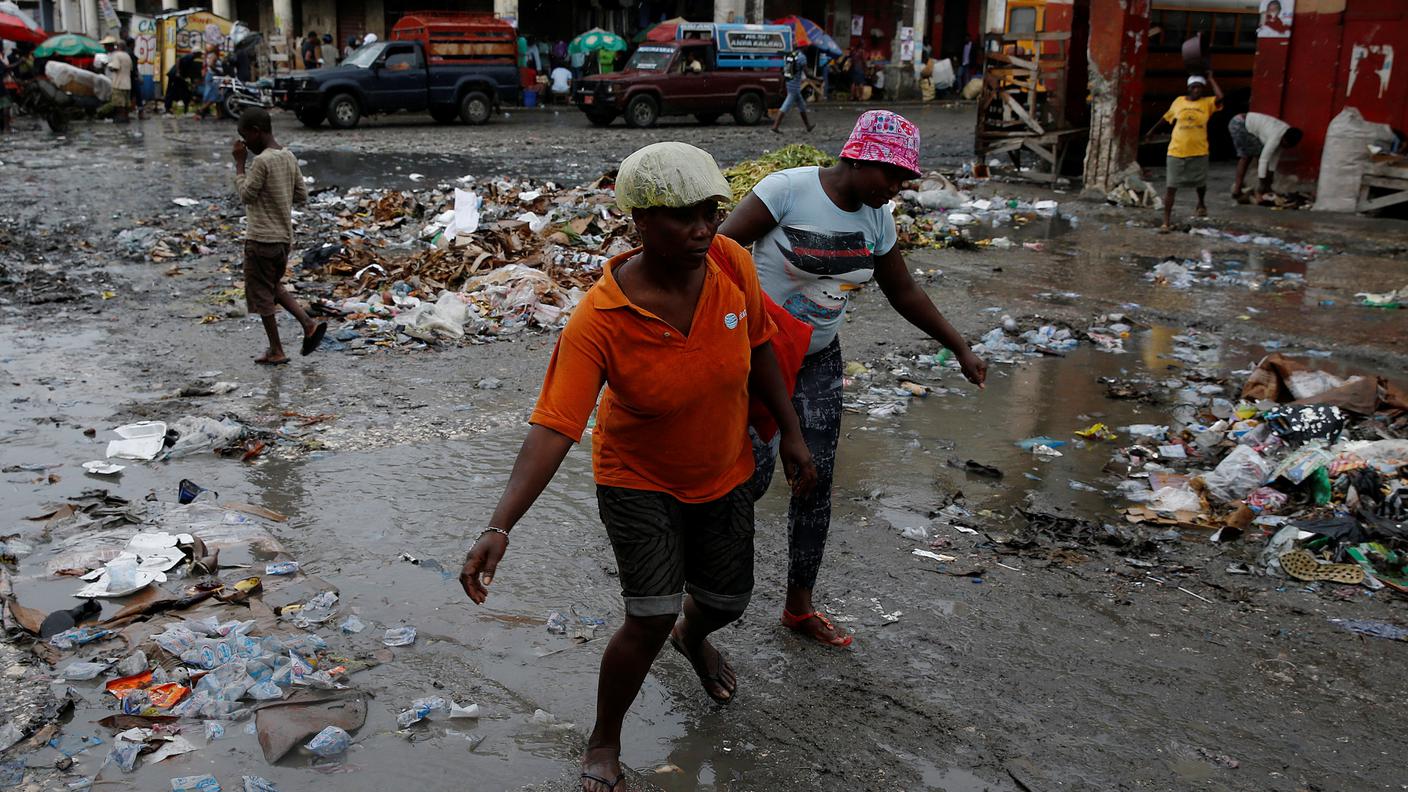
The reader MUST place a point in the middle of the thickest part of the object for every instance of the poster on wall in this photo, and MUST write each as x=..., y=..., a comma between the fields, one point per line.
x=857, y=25
x=1276, y=18
x=142, y=29
x=906, y=51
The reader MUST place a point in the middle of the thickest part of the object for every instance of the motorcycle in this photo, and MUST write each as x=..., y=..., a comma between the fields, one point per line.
x=236, y=95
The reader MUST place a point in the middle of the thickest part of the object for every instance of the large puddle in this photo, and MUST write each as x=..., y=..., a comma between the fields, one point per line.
x=355, y=513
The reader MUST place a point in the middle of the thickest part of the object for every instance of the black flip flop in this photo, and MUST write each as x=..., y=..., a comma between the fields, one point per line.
x=311, y=341
x=608, y=784
x=714, y=678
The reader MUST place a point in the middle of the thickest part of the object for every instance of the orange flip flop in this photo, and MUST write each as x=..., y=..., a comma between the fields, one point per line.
x=815, y=625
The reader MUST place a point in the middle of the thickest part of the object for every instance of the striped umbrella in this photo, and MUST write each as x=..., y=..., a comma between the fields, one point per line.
x=16, y=25
x=597, y=39
x=660, y=31
x=809, y=34
x=68, y=45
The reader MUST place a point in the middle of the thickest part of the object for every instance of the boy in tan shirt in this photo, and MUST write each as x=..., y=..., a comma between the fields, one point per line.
x=269, y=187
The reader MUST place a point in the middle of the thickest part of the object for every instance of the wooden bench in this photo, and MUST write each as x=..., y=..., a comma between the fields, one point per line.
x=1384, y=183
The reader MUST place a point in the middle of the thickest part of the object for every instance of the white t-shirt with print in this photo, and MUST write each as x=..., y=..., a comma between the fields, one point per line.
x=816, y=249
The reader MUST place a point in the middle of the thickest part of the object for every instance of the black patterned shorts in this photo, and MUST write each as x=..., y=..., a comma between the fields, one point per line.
x=1246, y=144
x=665, y=547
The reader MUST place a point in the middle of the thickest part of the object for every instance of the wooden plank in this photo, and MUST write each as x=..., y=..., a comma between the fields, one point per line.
x=1035, y=148
x=1024, y=115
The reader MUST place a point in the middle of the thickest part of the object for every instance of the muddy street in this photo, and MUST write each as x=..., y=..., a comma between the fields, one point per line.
x=1017, y=630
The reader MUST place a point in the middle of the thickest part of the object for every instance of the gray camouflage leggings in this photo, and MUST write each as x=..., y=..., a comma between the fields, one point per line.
x=817, y=401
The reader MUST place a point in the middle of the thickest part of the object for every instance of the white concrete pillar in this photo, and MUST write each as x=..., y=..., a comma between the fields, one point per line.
x=921, y=28
x=129, y=6
x=223, y=8
x=92, y=23
x=63, y=15
x=283, y=19
x=170, y=5
x=507, y=9
x=730, y=10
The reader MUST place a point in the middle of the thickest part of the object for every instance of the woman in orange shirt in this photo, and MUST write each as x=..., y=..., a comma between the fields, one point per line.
x=678, y=333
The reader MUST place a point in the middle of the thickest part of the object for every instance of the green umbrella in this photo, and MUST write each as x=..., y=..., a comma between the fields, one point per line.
x=597, y=39
x=68, y=45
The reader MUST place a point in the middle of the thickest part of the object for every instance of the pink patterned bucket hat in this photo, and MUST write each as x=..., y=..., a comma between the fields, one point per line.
x=883, y=136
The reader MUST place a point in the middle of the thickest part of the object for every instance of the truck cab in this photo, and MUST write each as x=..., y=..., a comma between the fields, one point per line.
x=452, y=65
x=708, y=70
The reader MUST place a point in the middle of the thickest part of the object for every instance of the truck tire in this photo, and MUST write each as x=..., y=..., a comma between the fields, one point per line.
x=311, y=118
x=642, y=112
x=444, y=115
x=601, y=119
x=475, y=108
x=750, y=110
x=343, y=111
x=707, y=119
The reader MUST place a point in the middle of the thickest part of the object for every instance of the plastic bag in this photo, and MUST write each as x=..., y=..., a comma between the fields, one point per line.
x=199, y=433
x=1237, y=474
x=1344, y=158
x=1175, y=499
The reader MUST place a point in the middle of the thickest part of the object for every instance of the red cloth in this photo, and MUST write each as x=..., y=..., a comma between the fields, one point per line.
x=789, y=344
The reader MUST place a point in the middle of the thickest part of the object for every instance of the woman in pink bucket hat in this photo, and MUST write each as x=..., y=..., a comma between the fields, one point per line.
x=816, y=234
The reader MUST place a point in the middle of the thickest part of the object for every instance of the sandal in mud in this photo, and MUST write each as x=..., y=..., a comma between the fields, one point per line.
x=709, y=679
x=608, y=784
x=1302, y=565
x=815, y=625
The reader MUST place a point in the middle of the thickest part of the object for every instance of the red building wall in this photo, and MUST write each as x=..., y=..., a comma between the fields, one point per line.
x=1340, y=53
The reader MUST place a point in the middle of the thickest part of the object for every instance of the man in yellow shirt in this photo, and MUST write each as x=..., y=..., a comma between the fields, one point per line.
x=1188, y=147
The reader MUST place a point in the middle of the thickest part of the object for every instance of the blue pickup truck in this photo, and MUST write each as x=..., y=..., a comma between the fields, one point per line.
x=454, y=66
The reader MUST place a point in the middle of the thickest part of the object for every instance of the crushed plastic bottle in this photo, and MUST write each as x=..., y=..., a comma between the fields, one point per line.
x=78, y=636
x=399, y=636
x=200, y=783
x=330, y=742
x=282, y=568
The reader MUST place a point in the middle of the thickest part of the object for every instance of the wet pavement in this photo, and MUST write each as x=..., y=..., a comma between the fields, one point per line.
x=1080, y=671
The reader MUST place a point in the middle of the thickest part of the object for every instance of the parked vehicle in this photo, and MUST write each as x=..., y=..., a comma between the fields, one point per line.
x=235, y=95
x=709, y=70
x=454, y=65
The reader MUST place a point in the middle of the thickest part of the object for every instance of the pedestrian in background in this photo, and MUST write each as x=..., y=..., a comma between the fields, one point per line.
x=1260, y=137
x=794, y=71
x=817, y=233
x=678, y=332
x=210, y=84
x=561, y=83
x=269, y=187
x=310, y=50
x=119, y=68
x=5, y=100
x=351, y=47
x=329, y=52
x=1188, y=147
x=181, y=78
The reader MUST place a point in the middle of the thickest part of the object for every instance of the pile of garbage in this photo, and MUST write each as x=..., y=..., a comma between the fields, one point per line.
x=1187, y=273
x=746, y=174
x=938, y=214
x=195, y=644
x=1310, y=466
x=449, y=263
x=1008, y=343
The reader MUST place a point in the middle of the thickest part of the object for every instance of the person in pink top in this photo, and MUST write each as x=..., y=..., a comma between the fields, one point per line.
x=817, y=233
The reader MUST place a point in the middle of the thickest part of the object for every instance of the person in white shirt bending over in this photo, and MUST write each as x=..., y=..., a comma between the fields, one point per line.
x=1260, y=137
